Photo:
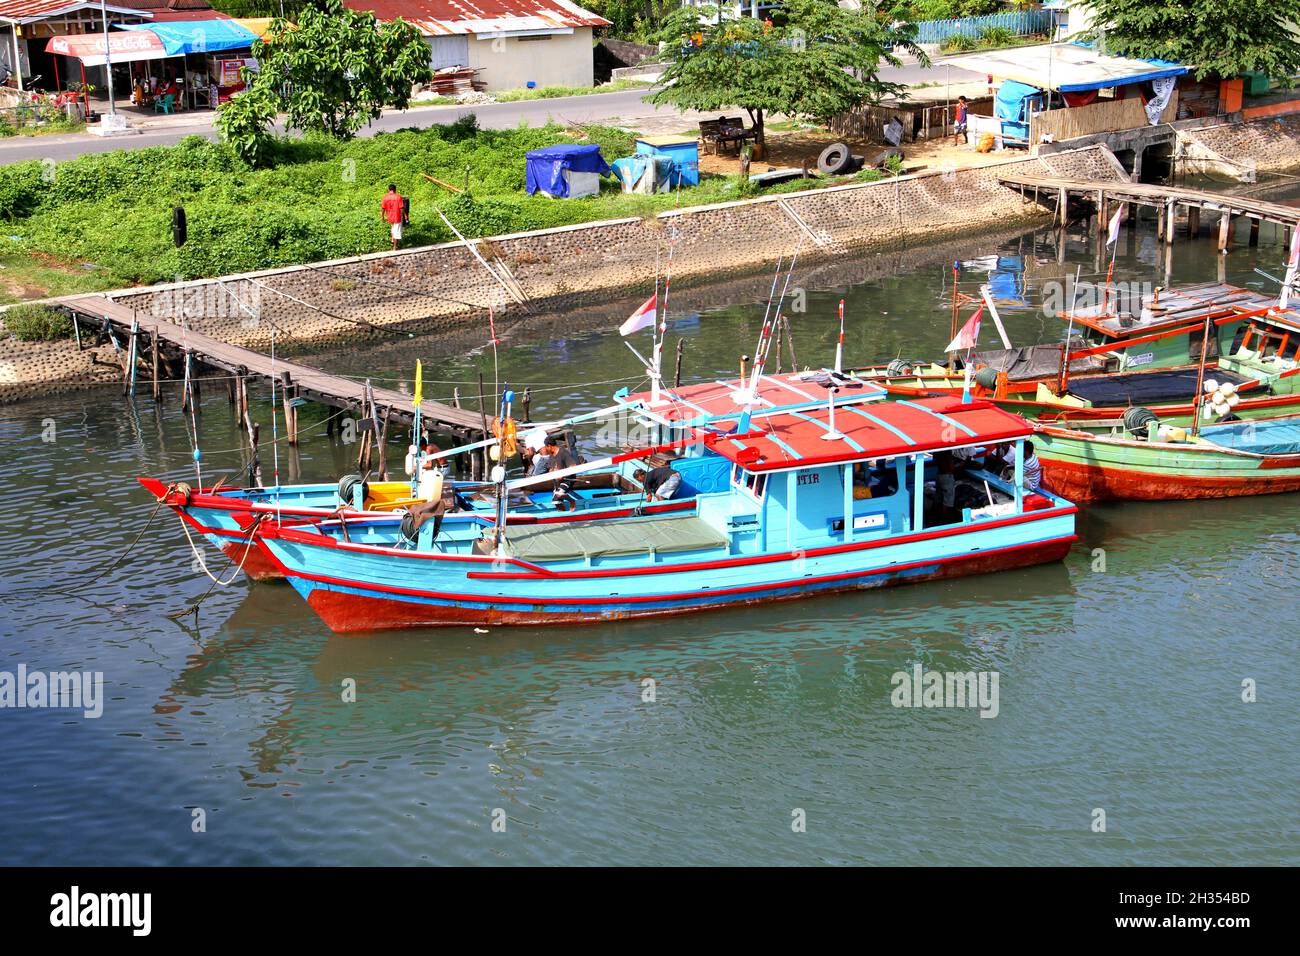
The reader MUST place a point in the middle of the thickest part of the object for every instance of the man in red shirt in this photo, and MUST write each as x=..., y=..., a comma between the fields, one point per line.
x=394, y=207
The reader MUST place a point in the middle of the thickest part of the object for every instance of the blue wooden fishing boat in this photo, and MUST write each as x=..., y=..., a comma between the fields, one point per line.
x=827, y=489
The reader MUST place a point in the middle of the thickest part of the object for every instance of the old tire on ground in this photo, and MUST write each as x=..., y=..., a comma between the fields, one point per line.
x=833, y=159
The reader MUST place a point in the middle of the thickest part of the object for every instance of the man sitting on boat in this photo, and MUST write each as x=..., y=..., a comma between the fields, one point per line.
x=660, y=483
x=1033, y=471
x=559, y=458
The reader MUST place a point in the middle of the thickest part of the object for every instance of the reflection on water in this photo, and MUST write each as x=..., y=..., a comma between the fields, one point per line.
x=1120, y=669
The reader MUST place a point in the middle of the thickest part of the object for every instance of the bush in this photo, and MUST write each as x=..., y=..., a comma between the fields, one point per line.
x=997, y=36
x=980, y=8
x=958, y=43
x=37, y=323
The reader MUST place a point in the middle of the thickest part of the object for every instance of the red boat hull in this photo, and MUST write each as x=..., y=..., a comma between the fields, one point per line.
x=1091, y=483
x=257, y=564
x=346, y=612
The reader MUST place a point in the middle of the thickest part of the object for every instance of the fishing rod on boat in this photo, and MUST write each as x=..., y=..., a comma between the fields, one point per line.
x=839, y=345
x=1064, y=376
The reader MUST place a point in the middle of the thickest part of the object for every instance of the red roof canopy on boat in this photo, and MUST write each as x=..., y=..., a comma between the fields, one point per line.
x=785, y=440
x=711, y=399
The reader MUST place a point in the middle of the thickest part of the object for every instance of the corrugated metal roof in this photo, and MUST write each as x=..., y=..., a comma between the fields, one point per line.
x=448, y=17
x=26, y=11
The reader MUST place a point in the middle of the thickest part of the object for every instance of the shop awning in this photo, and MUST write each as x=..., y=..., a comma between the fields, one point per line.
x=197, y=36
x=1068, y=67
x=122, y=47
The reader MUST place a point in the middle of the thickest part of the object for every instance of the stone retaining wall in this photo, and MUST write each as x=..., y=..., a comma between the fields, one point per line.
x=432, y=289
x=1267, y=144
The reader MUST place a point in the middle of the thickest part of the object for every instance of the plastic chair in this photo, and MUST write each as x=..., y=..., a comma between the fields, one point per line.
x=164, y=103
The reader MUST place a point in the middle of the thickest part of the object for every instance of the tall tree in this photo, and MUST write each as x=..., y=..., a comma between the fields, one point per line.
x=1214, y=37
x=812, y=60
x=332, y=72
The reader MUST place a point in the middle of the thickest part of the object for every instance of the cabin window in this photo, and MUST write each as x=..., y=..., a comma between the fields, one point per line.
x=753, y=484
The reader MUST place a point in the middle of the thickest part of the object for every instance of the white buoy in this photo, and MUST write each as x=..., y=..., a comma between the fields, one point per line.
x=1233, y=399
x=1211, y=385
x=1227, y=388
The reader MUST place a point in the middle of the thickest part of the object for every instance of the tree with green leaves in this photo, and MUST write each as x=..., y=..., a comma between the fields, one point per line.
x=1222, y=38
x=813, y=60
x=332, y=72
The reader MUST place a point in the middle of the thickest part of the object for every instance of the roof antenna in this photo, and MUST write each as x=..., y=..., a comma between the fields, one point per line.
x=832, y=433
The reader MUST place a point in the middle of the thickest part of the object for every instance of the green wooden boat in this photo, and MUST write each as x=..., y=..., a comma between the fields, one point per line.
x=1140, y=457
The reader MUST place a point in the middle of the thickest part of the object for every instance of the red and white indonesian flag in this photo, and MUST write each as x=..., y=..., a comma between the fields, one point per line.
x=1115, y=220
x=969, y=334
x=642, y=318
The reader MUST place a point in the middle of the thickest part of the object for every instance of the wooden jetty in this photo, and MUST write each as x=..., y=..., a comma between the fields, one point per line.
x=128, y=331
x=1166, y=200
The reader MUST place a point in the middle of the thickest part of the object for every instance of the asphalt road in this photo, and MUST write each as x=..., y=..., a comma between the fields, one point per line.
x=623, y=108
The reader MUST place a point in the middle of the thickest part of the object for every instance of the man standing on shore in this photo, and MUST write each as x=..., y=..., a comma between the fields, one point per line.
x=959, y=116
x=394, y=207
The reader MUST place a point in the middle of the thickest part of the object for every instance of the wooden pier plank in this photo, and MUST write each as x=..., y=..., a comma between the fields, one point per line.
x=311, y=382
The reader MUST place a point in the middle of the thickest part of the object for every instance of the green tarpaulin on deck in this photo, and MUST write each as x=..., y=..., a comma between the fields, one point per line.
x=596, y=539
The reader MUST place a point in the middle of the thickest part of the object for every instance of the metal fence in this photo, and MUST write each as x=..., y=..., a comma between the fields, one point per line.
x=1019, y=22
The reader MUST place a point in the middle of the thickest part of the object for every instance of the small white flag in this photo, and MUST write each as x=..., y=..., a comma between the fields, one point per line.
x=968, y=335
x=642, y=318
x=1115, y=220
x=1294, y=260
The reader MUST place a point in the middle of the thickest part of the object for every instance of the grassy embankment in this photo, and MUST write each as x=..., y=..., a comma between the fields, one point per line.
x=104, y=220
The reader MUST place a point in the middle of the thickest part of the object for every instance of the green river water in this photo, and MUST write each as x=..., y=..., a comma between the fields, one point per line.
x=1120, y=670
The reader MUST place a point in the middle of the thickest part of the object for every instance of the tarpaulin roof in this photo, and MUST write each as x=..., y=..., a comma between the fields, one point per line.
x=445, y=17
x=1010, y=96
x=545, y=168
x=197, y=36
x=123, y=47
x=1068, y=67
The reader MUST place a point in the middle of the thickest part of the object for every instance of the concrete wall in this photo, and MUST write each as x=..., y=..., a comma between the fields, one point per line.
x=442, y=288
x=509, y=63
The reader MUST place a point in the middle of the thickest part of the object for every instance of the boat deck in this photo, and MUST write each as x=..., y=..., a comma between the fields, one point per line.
x=1144, y=388
x=600, y=539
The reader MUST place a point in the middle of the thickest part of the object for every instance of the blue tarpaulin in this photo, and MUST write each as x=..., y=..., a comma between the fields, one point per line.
x=545, y=167
x=1010, y=100
x=197, y=36
x=1276, y=437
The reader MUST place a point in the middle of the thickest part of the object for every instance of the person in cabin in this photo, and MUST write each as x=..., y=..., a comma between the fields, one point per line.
x=660, y=483
x=394, y=207
x=560, y=458
x=945, y=485
x=959, y=115
x=1033, y=469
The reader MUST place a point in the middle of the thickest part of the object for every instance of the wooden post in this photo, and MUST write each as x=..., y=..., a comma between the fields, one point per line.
x=455, y=400
x=527, y=403
x=383, y=445
x=1160, y=225
x=1225, y=220
x=131, y=354
x=196, y=395
x=1171, y=213
x=1254, y=231
x=286, y=402
x=677, y=370
x=153, y=348
x=230, y=390
x=1062, y=204
x=253, y=431
x=1194, y=221
x=76, y=329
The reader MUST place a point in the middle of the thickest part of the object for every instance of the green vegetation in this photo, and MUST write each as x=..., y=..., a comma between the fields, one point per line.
x=332, y=72
x=1214, y=37
x=319, y=199
x=37, y=323
x=814, y=61
x=942, y=9
x=554, y=92
x=958, y=43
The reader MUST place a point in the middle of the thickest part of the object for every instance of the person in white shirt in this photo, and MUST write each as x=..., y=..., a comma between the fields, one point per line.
x=1033, y=469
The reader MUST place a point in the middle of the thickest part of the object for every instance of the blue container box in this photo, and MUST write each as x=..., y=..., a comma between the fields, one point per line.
x=683, y=150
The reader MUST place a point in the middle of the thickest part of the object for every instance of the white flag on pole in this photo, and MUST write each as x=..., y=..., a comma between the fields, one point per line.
x=968, y=335
x=1115, y=220
x=642, y=318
